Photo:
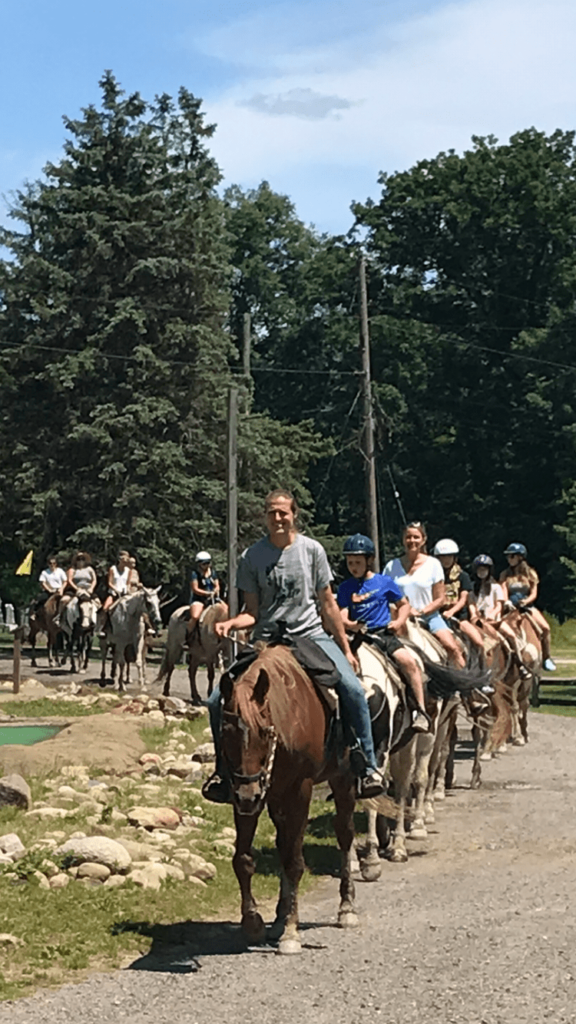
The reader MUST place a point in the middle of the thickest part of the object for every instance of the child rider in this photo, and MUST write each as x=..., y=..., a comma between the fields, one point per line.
x=365, y=600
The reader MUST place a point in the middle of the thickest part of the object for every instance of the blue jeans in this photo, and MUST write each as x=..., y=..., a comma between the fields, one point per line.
x=350, y=694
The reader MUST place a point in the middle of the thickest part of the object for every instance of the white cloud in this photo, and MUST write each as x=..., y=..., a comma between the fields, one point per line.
x=306, y=103
x=411, y=87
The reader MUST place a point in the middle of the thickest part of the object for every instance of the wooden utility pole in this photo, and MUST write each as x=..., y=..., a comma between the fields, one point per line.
x=232, y=499
x=246, y=344
x=368, y=417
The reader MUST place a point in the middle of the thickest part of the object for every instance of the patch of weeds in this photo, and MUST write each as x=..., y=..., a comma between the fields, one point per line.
x=43, y=707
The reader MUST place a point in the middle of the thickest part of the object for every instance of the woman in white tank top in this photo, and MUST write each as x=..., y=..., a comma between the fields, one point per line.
x=118, y=579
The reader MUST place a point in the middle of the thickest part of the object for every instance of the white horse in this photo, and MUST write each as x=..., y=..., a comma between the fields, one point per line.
x=77, y=622
x=125, y=629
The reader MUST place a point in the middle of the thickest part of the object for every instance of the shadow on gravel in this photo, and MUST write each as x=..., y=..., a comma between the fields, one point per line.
x=179, y=948
x=176, y=947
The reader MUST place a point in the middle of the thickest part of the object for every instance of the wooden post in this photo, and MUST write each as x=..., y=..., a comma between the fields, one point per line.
x=232, y=499
x=246, y=344
x=18, y=637
x=368, y=418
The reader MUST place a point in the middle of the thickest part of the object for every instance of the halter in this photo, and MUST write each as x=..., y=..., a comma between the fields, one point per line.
x=264, y=776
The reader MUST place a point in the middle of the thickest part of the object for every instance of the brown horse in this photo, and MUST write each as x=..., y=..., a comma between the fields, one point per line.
x=42, y=621
x=274, y=736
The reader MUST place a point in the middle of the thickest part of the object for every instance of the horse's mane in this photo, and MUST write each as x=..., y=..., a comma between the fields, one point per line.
x=288, y=699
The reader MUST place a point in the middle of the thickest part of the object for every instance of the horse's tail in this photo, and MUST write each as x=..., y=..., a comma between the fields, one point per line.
x=174, y=644
x=444, y=681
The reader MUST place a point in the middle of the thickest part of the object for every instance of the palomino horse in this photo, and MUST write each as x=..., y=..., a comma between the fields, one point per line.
x=205, y=647
x=78, y=620
x=124, y=632
x=275, y=729
x=43, y=621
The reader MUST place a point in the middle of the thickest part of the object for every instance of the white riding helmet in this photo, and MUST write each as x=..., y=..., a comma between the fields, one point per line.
x=203, y=556
x=446, y=547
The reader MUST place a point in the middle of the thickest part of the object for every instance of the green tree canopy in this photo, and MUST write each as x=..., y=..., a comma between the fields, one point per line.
x=114, y=352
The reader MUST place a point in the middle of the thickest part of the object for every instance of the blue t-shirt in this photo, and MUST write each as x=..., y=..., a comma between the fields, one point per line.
x=368, y=601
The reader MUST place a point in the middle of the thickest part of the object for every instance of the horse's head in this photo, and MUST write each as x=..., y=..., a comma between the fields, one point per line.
x=248, y=738
x=152, y=606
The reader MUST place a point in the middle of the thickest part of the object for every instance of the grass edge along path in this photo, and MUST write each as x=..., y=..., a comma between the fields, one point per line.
x=63, y=934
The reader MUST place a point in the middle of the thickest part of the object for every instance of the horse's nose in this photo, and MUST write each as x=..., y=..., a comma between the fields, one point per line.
x=248, y=797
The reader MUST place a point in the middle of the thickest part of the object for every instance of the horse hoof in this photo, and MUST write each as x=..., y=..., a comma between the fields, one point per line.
x=502, y=749
x=371, y=872
x=289, y=947
x=519, y=741
x=398, y=857
x=439, y=794
x=254, y=928
x=348, y=919
x=485, y=757
x=420, y=832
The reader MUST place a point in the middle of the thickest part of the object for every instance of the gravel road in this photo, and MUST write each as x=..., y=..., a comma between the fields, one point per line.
x=478, y=927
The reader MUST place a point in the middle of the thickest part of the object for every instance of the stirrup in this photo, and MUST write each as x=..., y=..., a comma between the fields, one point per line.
x=217, y=789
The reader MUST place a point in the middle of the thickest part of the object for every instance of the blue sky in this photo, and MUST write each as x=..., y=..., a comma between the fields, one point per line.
x=316, y=97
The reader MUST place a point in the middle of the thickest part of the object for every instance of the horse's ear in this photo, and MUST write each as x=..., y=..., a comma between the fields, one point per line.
x=261, y=688
x=158, y=589
x=226, y=687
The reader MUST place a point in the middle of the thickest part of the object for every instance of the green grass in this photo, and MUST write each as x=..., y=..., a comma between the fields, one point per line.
x=42, y=707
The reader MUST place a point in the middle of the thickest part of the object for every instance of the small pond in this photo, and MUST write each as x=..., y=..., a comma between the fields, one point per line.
x=26, y=734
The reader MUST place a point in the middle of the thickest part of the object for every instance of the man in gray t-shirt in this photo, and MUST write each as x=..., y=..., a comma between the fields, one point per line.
x=285, y=578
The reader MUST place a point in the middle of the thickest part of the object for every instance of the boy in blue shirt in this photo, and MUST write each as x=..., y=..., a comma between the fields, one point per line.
x=364, y=601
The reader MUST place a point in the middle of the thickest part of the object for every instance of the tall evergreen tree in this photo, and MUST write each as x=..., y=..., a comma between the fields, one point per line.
x=114, y=359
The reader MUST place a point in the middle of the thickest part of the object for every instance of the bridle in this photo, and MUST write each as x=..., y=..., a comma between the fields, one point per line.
x=264, y=776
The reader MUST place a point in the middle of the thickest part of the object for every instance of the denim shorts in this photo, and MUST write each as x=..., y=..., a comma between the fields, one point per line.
x=435, y=622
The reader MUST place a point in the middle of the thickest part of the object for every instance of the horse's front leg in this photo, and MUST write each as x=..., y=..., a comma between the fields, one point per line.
x=290, y=816
x=243, y=863
x=370, y=865
x=344, y=789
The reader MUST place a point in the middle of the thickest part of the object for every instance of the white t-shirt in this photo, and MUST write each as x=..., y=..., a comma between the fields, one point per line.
x=486, y=603
x=53, y=577
x=416, y=586
x=120, y=579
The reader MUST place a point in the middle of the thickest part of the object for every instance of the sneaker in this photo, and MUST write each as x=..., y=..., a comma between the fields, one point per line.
x=549, y=665
x=421, y=723
x=102, y=634
x=217, y=789
x=487, y=688
x=371, y=785
x=524, y=673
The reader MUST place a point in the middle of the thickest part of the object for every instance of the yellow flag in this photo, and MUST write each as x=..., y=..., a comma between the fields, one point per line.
x=26, y=567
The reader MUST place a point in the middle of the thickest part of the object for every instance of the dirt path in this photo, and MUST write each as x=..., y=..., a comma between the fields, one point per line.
x=478, y=928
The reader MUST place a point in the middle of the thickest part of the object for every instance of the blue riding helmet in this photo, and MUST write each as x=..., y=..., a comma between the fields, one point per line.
x=482, y=560
x=516, y=549
x=359, y=544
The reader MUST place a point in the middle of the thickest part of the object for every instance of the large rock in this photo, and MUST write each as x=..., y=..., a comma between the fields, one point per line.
x=141, y=851
x=97, y=850
x=59, y=881
x=175, y=706
x=15, y=792
x=149, y=876
x=90, y=869
x=193, y=864
x=154, y=817
x=12, y=846
x=150, y=758
x=182, y=769
x=156, y=717
x=205, y=752
x=49, y=812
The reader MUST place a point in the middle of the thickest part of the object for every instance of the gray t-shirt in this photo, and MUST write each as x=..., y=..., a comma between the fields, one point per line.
x=286, y=581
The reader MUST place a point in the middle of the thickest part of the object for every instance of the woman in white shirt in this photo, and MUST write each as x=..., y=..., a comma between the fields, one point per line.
x=421, y=579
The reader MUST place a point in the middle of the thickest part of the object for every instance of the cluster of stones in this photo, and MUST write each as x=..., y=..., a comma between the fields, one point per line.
x=152, y=847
